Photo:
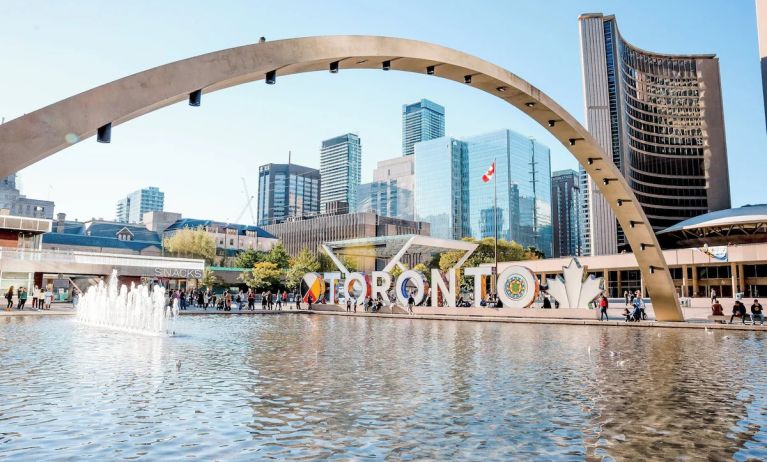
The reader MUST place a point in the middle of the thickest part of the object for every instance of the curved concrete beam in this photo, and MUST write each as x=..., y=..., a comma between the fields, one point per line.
x=37, y=135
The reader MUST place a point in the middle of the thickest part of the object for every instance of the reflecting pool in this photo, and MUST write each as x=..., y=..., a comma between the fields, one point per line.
x=328, y=387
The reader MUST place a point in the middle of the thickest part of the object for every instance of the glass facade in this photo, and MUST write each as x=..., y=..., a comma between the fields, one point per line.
x=421, y=121
x=132, y=208
x=451, y=196
x=386, y=198
x=287, y=190
x=440, y=181
x=340, y=170
x=565, y=209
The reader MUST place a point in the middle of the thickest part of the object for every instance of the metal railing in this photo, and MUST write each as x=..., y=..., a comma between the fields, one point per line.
x=92, y=258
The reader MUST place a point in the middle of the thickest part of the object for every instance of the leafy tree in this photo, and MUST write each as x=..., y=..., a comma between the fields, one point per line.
x=209, y=279
x=249, y=258
x=303, y=263
x=264, y=275
x=395, y=272
x=191, y=243
x=421, y=268
x=279, y=256
x=485, y=253
x=327, y=265
x=532, y=253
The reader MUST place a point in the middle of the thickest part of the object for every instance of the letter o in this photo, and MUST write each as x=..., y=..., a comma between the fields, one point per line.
x=517, y=287
x=401, y=286
x=353, y=279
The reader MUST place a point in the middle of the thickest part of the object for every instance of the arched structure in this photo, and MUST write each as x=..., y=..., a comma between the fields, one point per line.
x=39, y=134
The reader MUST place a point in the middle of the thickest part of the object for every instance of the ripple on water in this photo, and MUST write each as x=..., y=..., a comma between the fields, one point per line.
x=299, y=387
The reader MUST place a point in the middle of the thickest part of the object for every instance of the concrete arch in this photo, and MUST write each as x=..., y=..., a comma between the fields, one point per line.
x=37, y=135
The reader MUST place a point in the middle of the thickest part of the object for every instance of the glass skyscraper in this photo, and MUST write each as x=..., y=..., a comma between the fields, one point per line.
x=565, y=210
x=451, y=196
x=340, y=170
x=287, y=190
x=421, y=121
x=659, y=117
x=132, y=208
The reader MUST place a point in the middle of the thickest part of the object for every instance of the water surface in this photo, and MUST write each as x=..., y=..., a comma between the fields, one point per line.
x=307, y=387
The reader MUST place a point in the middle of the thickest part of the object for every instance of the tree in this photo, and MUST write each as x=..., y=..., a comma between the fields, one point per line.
x=303, y=263
x=395, y=272
x=485, y=253
x=209, y=279
x=249, y=258
x=264, y=275
x=191, y=243
x=327, y=265
x=421, y=268
x=279, y=256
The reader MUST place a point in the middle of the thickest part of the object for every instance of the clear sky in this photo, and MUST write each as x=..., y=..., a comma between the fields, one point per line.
x=52, y=50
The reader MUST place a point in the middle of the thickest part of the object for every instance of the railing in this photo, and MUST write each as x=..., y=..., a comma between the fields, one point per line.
x=91, y=258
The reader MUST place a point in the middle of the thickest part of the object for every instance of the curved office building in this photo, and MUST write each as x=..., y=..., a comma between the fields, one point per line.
x=660, y=116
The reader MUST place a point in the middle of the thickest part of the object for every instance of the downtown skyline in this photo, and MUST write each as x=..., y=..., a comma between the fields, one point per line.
x=181, y=148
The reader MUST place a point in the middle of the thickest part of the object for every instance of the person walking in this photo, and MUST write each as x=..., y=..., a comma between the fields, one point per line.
x=22, y=297
x=48, y=298
x=627, y=297
x=410, y=303
x=34, y=296
x=603, y=303
x=713, y=294
x=278, y=298
x=348, y=304
x=285, y=298
x=9, y=297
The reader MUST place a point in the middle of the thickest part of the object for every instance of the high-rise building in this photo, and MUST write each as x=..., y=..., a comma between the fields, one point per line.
x=761, y=25
x=340, y=170
x=21, y=205
x=565, y=213
x=287, y=190
x=659, y=118
x=132, y=208
x=421, y=121
x=451, y=196
x=390, y=194
x=441, y=187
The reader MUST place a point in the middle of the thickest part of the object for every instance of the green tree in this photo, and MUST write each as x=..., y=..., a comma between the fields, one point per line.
x=327, y=265
x=422, y=269
x=395, y=272
x=191, y=243
x=279, y=256
x=303, y=263
x=264, y=275
x=249, y=258
x=209, y=279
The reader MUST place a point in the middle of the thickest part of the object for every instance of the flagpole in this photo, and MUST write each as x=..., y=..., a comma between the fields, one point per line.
x=495, y=222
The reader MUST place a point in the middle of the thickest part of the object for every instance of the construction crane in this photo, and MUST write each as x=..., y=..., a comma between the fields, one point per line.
x=248, y=204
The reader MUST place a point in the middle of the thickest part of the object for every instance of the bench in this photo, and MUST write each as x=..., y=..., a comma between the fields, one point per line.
x=724, y=319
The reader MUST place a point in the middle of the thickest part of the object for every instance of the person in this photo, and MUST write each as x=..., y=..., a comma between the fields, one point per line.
x=716, y=308
x=756, y=312
x=22, y=297
x=738, y=311
x=309, y=300
x=713, y=294
x=546, y=302
x=238, y=300
x=9, y=297
x=206, y=299
x=626, y=296
x=603, y=303
x=34, y=296
x=627, y=314
x=638, y=308
x=48, y=298
x=279, y=300
x=40, y=299
x=285, y=298
x=348, y=304
x=251, y=299
x=201, y=302
x=75, y=297
x=369, y=304
x=228, y=301
x=410, y=303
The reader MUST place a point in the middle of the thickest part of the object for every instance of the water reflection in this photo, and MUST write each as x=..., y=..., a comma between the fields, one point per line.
x=325, y=387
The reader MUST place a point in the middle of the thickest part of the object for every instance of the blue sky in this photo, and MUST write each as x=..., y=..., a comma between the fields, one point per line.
x=52, y=50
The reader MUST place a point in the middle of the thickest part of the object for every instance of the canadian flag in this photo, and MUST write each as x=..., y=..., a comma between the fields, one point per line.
x=490, y=172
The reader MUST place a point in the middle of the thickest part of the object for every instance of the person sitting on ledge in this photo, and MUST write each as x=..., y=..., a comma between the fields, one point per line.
x=738, y=311
x=756, y=312
x=546, y=302
x=717, y=309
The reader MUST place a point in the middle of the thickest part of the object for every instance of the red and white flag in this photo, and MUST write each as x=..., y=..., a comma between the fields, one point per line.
x=490, y=172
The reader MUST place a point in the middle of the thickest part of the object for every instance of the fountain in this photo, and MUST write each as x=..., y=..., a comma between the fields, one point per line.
x=139, y=310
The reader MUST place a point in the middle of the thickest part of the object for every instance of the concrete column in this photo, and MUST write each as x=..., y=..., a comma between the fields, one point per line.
x=695, y=282
x=619, y=284
x=606, y=276
x=734, y=278
x=741, y=278
x=642, y=287
x=685, y=282
x=543, y=278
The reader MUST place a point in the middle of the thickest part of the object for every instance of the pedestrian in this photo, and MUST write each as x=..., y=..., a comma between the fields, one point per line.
x=22, y=297
x=410, y=303
x=546, y=302
x=603, y=303
x=756, y=312
x=48, y=298
x=354, y=304
x=348, y=304
x=627, y=297
x=251, y=299
x=713, y=294
x=285, y=298
x=279, y=300
x=227, y=301
x=200, y=299
x=309, y=299
x=9, y=297
x=75, y=297
x=40, y=299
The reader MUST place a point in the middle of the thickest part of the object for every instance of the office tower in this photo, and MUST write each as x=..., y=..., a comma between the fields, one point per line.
x=21, y=205
x=659, y=118
x=132, y=208
x=340, y=170
x=451, y=195
x=761, y=25
x=390, y=194
x=565, y=213
x=287, y=190
x=421, y=121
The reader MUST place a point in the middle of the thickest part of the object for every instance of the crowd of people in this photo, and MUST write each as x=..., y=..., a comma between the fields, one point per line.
x=229, y=299
x=39, y=299
x=739, y=311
